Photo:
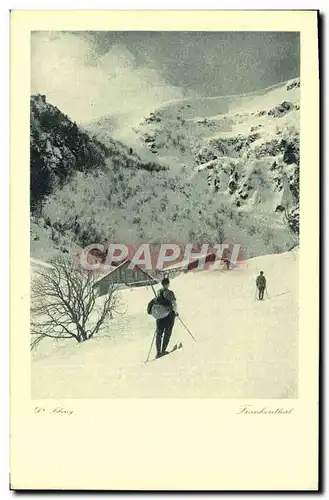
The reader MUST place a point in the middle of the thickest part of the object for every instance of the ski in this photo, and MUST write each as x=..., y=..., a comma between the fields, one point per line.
x=175, y=348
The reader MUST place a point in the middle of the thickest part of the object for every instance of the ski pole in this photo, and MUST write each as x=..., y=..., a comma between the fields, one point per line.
x=186, y=328
x=148, y=356
x=267, y=292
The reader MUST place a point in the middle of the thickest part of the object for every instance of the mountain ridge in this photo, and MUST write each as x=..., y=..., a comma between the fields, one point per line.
x=265, y=130
x=235, y=175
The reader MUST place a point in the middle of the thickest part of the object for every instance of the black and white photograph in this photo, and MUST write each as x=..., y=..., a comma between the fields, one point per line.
x=164, y=203
x=165, y=251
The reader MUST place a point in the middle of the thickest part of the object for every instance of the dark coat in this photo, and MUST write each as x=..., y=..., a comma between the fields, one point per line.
x=261, y=281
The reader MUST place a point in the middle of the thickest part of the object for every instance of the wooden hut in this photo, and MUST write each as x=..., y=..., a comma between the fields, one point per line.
x=125, y=275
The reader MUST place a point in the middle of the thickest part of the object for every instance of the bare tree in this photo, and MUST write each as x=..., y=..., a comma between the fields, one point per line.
x=64, y=303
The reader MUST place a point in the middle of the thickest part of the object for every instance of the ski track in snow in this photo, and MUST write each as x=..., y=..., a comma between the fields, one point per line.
x=245, y=348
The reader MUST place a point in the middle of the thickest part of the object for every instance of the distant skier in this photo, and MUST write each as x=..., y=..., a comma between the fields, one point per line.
x=261, y=285
x=164, y=310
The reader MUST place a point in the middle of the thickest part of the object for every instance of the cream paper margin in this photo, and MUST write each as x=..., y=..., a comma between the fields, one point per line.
x=164, y=444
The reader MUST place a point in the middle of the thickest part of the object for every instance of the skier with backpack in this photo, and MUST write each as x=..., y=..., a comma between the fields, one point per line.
x=164, y=309
x=261, y=285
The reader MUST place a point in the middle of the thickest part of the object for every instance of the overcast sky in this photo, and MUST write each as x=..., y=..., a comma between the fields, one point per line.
x=92, y=74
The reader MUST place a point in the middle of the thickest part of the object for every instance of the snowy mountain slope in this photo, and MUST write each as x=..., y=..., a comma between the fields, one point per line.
x=244, y=349
x=196, y=119
x=62, y=153
x=37, y=265
x=246, y=146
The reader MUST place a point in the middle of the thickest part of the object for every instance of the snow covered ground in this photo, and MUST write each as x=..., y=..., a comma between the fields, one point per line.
x=193, y=122
x=244, y=349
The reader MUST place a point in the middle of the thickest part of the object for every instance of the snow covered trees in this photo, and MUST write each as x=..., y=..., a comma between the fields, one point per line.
x=64, y=303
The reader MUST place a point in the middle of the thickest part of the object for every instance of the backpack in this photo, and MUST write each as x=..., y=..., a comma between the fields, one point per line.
x=159, y=299
x=150, y=305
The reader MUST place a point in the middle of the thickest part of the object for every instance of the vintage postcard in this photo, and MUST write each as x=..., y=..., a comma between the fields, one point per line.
x=164, y=250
